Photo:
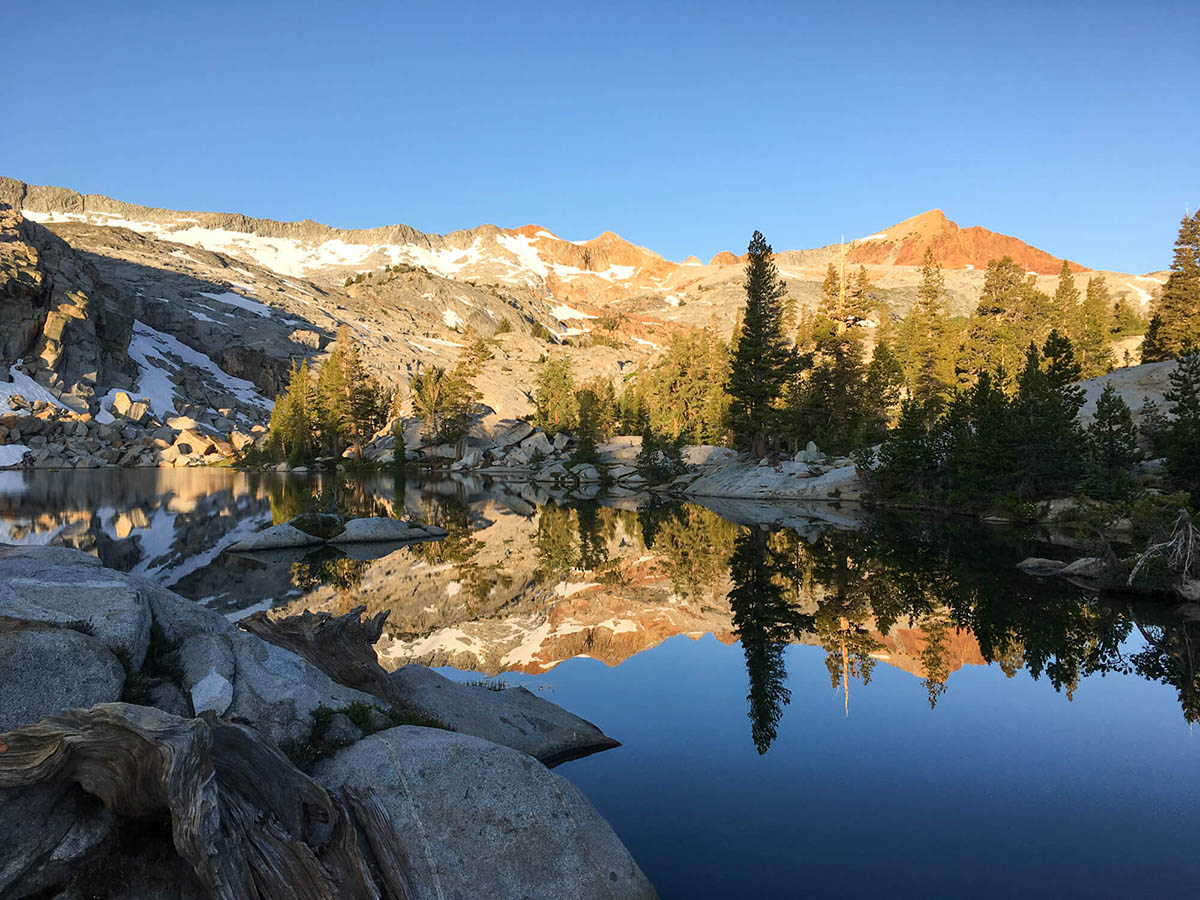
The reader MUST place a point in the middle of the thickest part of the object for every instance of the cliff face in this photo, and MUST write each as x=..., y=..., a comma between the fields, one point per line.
x=58, y=313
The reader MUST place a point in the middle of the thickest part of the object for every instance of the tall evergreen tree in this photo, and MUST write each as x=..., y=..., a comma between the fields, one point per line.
x=1064, y=311
x=1044, y=437
x=1182, y=439
x=1111, y=448
x=1154, y=348
x=554, y=397
x=924, y=338
x=1091, y=335
x=290, y=434
x=1179, y=304
x=1012, y=312
x=762, y=360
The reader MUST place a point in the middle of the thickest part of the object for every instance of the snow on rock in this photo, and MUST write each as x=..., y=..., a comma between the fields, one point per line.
x=12, y=454
x=28, y=388
x=155, y=354
x=232, y=299
x=565, y=313
x=452, y=319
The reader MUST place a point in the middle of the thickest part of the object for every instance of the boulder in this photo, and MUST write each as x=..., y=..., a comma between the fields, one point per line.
x=514, y=717
x=70, y=588
x=208, y=671
x=1087, y=568
x=44, y=670
x=273, y=689
x=46, y=831
x=486, y=820
x=586, y=472
x=362, y=531
x=537, y=443
x=470, y=460
x=277, y=537
x=514, y=433
x=1035, y=565
x=561, y=440
x=554, y=472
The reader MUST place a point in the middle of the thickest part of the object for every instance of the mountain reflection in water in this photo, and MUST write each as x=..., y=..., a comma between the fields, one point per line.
x=525, y=581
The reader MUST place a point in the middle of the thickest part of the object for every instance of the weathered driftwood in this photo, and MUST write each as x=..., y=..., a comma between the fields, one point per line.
x=343, y=647
x=248, y=822
x=1180, y=551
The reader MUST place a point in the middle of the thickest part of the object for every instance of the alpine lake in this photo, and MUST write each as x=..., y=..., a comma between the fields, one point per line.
x=813, y=702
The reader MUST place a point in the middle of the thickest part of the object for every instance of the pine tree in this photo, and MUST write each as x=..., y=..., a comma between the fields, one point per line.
x=763, y=360
x=1091, y=336
x=290, y=433
x=1064, y=312
x=554, y=397
x=1111, y=448
x=1045, y=439
x=1154, y=348
x=1179, y=304
x=881, y=394
x=1012, y=312
x=924, y=338
x=1183, y=435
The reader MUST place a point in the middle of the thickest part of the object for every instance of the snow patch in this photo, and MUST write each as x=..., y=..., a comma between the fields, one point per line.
x=231, y=299
x=565, y=313
x=28, y=388
x=12, y=454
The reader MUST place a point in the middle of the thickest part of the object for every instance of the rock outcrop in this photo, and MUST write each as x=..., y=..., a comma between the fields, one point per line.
x=530, y=833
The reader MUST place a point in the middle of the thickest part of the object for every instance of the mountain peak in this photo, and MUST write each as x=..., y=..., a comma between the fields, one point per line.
x=954, y=247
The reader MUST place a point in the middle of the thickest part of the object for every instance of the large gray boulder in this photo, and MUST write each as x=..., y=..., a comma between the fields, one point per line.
x=272, y=688
x=61, y=587
x=513, y=717
x=481, y=820
x=277, y=537
x=365, y=531
x=44, y=670
x=46, y=831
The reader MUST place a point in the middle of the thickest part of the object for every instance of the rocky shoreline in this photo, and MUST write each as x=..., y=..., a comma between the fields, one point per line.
x=90, y=656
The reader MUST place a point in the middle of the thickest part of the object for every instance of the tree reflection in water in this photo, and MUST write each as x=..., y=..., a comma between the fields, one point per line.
x=847, y=591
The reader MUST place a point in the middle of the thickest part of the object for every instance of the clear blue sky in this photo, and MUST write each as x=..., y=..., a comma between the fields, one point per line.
x=1075, y=126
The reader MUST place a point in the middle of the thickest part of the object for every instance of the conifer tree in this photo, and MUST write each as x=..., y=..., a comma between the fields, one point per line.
x=762, y=360
x=1064, y=311
x=1091, y=340
x=1179, y=304
x=924, y=339
x=1183, y=434
x=1111, y=448
x=1154, y=348
x=1044, y=437
x=290, y=433
x=554, y=397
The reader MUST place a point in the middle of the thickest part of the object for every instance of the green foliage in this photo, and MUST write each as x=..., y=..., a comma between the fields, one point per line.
x=924, y=338
x=1182, y=437
x=985, y=445
x=762, y=359
x=682, y=393
x=1111, y=449
x=504, y=327
x=540, y=332
x=661, y=457
x=1178, y=308
x=596, y=418
x=445, y=401
x=1091, y=332
x=292, y=429
x=557, y=408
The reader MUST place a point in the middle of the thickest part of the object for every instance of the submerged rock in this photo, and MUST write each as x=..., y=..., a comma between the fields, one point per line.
x=277, y=537
x=513, y=717
x=1035, y=565
x=486, y=820
x=364, y=531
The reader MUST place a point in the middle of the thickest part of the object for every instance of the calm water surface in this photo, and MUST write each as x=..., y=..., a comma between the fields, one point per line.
x=844, y=708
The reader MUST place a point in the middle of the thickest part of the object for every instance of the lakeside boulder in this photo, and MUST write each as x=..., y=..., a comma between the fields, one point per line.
x=525, y=832
x=513, y=716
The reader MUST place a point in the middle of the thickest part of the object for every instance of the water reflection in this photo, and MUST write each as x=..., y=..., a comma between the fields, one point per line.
x=527, y=579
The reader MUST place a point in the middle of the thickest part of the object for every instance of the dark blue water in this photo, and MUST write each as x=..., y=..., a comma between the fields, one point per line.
x=888, y=710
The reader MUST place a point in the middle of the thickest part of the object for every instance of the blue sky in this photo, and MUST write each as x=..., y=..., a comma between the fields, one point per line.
x=681, y=127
